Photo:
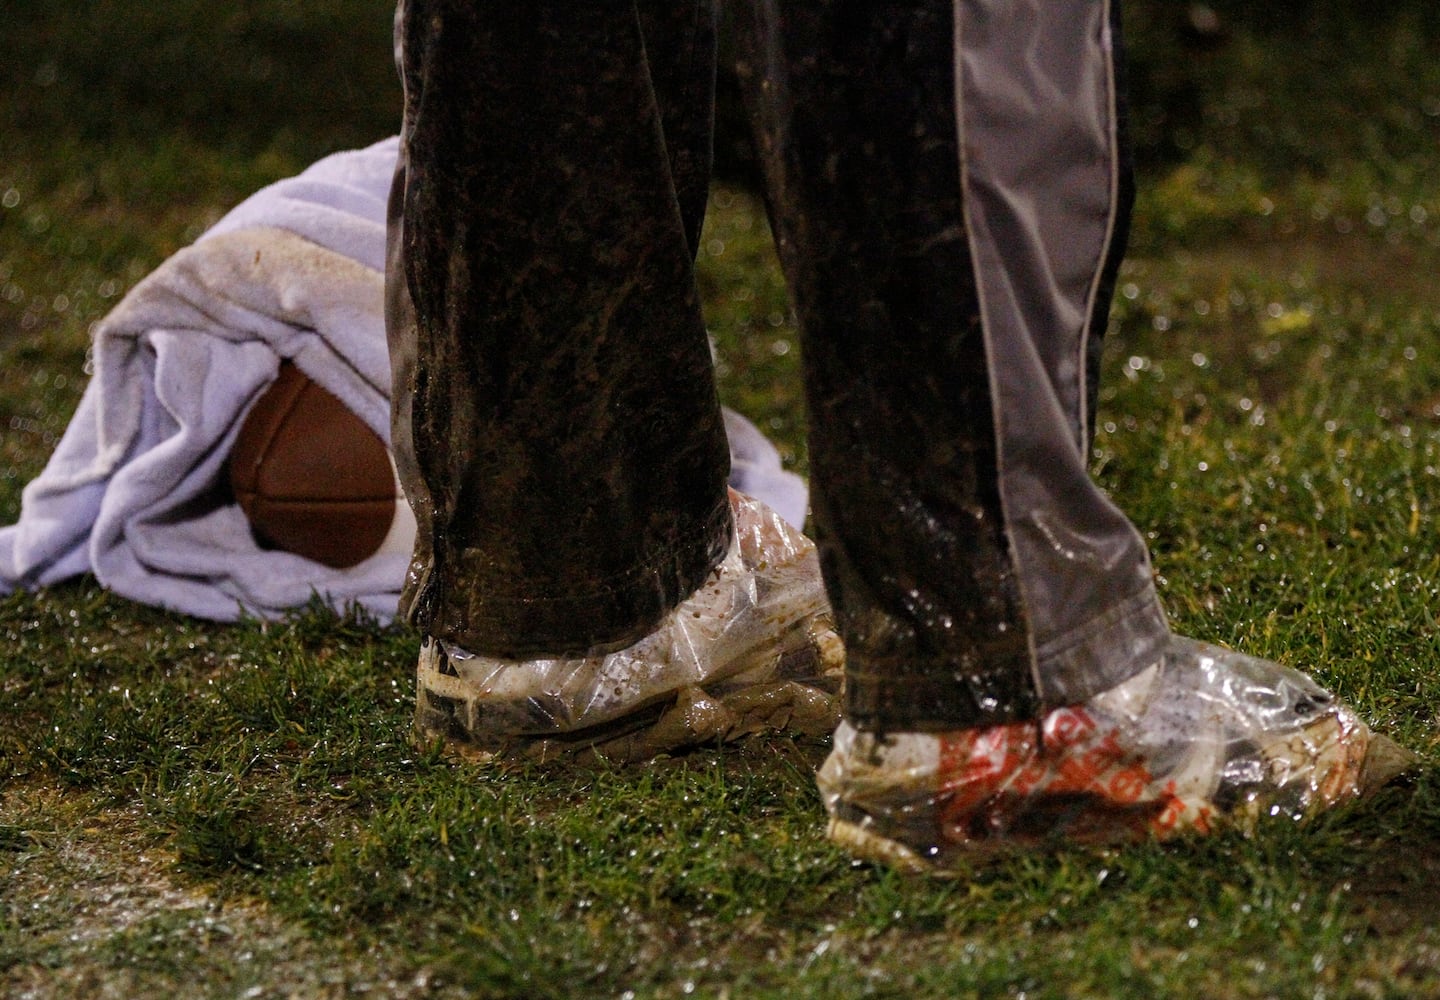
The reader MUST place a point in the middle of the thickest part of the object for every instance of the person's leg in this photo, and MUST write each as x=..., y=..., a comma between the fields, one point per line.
x=948, y=308
x=560, y=367
x=950, y=194
x=557, y=427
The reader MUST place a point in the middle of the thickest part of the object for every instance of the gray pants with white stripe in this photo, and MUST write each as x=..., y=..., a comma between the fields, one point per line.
x=950, y=195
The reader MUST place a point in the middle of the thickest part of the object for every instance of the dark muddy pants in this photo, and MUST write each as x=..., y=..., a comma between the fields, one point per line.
x=948, y=188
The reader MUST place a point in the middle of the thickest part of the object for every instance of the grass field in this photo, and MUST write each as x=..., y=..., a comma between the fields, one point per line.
x=241, y=811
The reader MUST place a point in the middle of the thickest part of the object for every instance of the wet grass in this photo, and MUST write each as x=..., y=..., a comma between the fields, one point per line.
x=242, y=811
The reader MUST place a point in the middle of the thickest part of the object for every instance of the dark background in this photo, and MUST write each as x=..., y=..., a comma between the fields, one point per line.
x=1287, y=86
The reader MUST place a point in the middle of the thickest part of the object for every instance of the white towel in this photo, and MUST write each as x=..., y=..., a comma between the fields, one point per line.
x=131, y=492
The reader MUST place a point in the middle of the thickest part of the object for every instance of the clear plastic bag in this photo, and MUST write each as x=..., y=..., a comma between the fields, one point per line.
x=754, y=648
x=1204, y=737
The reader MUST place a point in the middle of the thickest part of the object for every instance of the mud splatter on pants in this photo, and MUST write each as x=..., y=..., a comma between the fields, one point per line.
x=950, y=195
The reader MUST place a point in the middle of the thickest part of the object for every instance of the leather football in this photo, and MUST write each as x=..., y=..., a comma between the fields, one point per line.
x=310, y=476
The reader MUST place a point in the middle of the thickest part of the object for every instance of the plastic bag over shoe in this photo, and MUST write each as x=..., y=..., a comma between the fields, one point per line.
x=1204, y=737
x=754, y=648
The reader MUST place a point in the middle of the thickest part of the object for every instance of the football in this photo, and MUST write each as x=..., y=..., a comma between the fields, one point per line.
x=310, y=476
